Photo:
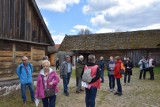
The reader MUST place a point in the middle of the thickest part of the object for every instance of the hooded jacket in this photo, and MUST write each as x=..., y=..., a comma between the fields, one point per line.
x=25, y=76
x=117, y=69
x=53, y=77
x=79, y=68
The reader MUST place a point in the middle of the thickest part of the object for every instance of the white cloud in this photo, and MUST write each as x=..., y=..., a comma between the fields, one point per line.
x=72, y=30
x=115, y=6
x=56, y=5
x=58, y=38
x=105, y=30
x=123, y=14
x=99, y=20
x=79, y=27
x=153, y=26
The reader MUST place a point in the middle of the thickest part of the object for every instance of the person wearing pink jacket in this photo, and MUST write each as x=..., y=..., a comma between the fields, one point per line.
x=47, y=79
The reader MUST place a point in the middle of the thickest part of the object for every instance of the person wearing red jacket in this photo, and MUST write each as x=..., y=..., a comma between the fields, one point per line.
x=118, y=75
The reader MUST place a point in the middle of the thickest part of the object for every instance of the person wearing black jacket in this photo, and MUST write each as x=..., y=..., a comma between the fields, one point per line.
x=128, y=70
x=91, y=90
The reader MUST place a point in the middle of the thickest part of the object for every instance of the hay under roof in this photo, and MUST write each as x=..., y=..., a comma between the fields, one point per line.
x=112, y=41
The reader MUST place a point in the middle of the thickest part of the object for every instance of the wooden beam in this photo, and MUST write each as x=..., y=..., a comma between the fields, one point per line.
x=6, y=59
x=5, y=53
x=6, y=64
x=23, y=53
x=24, y=41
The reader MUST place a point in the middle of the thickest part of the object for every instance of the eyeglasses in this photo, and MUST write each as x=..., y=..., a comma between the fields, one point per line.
x=24, y=60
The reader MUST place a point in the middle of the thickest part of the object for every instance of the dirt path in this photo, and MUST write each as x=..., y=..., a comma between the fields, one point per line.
x=141, y=93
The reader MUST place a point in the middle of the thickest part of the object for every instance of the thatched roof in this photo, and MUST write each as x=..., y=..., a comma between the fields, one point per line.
x=53, y=49
x=112, y=41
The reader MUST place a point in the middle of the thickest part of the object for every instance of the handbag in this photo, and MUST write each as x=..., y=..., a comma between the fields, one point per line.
x=49, y=91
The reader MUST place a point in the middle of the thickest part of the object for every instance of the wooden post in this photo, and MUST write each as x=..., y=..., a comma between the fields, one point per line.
x=14, y=51
x=31, y=53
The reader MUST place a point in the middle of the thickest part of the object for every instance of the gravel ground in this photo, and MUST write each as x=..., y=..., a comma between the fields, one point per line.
x=140, y=93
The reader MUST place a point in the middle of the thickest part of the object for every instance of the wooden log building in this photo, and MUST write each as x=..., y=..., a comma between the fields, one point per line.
x=133, y=44
x=22, y=32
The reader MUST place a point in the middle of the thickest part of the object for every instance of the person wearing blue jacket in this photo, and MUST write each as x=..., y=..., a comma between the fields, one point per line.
x=24, y=72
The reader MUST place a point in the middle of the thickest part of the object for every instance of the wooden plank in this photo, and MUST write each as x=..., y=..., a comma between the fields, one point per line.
x=23, y=47
x=34, y=51
x=5, y=45
x=6, y=59
x=6, y=65
x=23, y=53
x=36, y=63
x=39, y=47
x=6, y=53
x=6, y=71
x=38, y=56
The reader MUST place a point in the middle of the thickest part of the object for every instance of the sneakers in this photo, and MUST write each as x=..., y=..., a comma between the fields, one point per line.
x=118, y=93
x=66, y=94
x=77, y=92
x=81, y=90
x=111, y=90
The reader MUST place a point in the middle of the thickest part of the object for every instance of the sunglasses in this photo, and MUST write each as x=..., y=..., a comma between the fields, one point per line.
x=24, y=60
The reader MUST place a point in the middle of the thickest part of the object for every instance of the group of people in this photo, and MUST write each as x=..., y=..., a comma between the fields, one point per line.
x=114, y=68
x=48, y=79
x=97, y=72
x=147, y=64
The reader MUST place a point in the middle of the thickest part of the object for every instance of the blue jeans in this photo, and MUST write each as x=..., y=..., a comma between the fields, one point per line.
x=119, y=87
x=125, y=78
x=111, y=81
x=66, y=80
x=102, y=74
x=49, y=101
x=23, y=91
x=90, y=96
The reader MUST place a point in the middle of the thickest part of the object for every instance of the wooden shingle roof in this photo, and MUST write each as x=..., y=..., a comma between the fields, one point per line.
x=112, y=41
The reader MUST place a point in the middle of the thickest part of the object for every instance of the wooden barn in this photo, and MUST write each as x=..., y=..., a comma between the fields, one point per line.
x=22, y=32
x=133, y=44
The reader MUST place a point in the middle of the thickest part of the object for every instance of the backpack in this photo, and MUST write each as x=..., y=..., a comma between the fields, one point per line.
x=122, y=71
x=86, y=77
x=21, y=68
x=153, y=62
x=143, y=65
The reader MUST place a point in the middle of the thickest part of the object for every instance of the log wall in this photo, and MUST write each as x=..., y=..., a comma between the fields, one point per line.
x=11, y=54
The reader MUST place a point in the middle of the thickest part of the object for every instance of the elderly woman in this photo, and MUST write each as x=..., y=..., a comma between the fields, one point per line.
x=47, y=80
x=91, y=90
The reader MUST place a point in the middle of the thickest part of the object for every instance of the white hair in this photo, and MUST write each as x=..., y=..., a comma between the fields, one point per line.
x=44, y=62
x=81, y=57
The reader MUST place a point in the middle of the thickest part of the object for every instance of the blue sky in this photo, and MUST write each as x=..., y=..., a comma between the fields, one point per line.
x=99, y=16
